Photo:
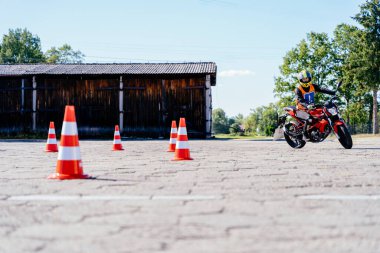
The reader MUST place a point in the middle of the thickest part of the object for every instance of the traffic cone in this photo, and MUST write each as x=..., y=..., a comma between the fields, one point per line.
x=173, y=137
x=69, y=162
x=51, y=144
x=117, y=140
x=182, y=150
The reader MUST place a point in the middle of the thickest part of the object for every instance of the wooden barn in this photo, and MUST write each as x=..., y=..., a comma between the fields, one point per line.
x=142, y=98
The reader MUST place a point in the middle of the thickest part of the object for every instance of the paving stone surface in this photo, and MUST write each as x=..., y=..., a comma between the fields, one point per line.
x=235, y=196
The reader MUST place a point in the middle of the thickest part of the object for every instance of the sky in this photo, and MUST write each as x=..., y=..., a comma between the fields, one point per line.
x=247, y=39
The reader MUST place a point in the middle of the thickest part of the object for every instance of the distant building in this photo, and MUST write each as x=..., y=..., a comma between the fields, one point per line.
x=142, y=98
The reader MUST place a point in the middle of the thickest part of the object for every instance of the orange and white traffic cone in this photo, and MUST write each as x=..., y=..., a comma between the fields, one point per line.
x=182, y=149
x=69, y=162
x=117, y=140
x=173, y=137
x=51, y=144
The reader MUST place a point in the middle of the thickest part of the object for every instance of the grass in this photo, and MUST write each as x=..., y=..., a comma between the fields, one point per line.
x=252, y=137
x=365, y=135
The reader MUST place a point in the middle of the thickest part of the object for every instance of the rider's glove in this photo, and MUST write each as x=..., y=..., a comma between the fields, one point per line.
x=310, y=107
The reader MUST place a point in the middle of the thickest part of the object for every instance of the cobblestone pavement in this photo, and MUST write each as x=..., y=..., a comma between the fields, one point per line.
x=235, y=196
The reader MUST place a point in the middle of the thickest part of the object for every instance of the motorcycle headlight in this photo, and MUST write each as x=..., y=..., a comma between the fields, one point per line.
x=333, y=111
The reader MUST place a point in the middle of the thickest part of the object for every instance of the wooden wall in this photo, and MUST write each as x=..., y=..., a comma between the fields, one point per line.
x=15, y=112
x=150, y=103
x=96, y=105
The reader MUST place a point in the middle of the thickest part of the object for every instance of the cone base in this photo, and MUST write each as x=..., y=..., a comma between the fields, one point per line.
x=66, y=176
x=182, y=159
x=117, y=147
x=171, y=148
x=51, y=148
x=182, y=154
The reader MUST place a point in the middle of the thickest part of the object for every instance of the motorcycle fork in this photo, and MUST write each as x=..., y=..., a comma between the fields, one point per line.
x=332, y=127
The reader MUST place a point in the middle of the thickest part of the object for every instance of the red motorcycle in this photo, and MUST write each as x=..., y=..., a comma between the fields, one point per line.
x=314, y=124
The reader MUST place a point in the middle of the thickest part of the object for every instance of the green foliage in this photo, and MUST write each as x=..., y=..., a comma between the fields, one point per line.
x=220, y=122
x=345, y=42
x=369, y=18
x=64, y=54
x=353, y=56
x=237, y=125
x=314, y=54
x=262, y=120
x=235, y=129
x=368, y=53
x=21, y=46
x=251, y=123
x=270, y=118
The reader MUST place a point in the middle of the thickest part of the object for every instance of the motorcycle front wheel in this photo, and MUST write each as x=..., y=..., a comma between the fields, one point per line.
x=294, y=142
x=344, y=137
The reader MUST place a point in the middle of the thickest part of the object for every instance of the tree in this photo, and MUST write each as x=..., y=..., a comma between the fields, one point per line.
x=237, y=125
x=368, y=53
x=270, y=119
x=313, y=54
x=345, y=44
x=21, y=46
x=251, y=123
x=358, y=112
x=220, y=122
x=64, y=54
x=262, y=120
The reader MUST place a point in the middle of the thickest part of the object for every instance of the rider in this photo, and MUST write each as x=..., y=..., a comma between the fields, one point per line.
x=305, y=92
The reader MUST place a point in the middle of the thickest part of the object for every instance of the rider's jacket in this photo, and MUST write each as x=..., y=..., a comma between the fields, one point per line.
x=307, y=95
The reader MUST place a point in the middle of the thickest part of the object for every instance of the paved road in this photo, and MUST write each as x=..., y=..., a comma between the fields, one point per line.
x=235, y=196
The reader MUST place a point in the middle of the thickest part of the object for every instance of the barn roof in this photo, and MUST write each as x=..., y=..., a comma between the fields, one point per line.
x=105, y=69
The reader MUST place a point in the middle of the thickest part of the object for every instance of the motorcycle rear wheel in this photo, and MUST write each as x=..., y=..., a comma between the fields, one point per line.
x=344, y=137
x=294, y=142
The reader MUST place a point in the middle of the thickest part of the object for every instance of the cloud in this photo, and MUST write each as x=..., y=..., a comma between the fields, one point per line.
x=234, y=73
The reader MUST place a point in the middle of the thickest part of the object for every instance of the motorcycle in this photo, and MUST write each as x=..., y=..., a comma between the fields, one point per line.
x=314, y=124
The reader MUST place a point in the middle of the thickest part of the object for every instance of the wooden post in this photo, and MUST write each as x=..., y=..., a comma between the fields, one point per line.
x=163, y=108
x=34, y=108
x=22, y=95
x=208, y=106
x=121, y=105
